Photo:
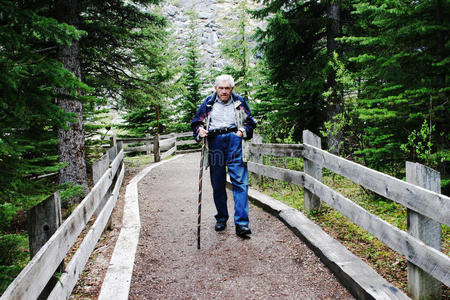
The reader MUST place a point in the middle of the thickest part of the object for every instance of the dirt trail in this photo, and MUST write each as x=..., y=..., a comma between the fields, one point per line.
x=274, y=263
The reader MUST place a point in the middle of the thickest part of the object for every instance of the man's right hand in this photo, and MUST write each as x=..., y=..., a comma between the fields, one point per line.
x=203, y=133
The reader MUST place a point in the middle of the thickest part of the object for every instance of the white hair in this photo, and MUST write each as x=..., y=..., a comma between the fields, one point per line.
x=223, y=78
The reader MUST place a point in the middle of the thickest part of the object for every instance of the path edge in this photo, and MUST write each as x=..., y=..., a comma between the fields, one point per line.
x=356, y=275
x=117, y=281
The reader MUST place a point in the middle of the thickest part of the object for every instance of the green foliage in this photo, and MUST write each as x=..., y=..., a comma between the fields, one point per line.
x=399, y=55
x=153, y=70
x=237, y=49
x=13, y=257
x=420, y=143
x=119, y=44
x=192, y=79
x=142, y=121
x=97, y=127
x=347, y=121
x=292, y=76
x=119, y=33
x=29, y=118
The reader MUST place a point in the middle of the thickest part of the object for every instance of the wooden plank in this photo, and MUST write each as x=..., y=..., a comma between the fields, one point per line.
x=43, y=221
x=256, y=156
x=114, y=166
x=291, y=176
x=148, y=145
x=280, y=150
x=169, y=152
x=113, y=141
x=184, y=134
x=165, y=145
x=312, y=202
x=167, y=136
x=357, y=276
x=33, y=278
x=156, y=151
x=76, y=266
x=429, y=259
x=186, y=142
x=112, y=152
x=117, y=163
x=420, y=284
x=137, y=149
x=132, y=140
x=431, y=204
x=100, y=167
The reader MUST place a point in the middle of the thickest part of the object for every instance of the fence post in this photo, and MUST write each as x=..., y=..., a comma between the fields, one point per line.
x=113, y=140
x=156, y=147
x=43, y=220
x=175, y=145
x=257, y=157
x=148, y=144
x=312, y=202
x=421, y=285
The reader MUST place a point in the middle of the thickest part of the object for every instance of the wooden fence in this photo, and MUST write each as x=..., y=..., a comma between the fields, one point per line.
x=427, y=209
x=156, y=144
x=34, y=280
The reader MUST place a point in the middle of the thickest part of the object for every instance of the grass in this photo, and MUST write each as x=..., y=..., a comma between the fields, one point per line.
x=381, y=258
x=138, y=161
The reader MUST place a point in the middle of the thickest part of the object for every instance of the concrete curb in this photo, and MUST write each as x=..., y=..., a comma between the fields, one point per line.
x=357, y=276
x=116, y=284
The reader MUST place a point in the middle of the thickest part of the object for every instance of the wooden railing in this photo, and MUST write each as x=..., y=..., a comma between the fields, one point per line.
x=161, y=143
x=34, y=282
x=427, y=209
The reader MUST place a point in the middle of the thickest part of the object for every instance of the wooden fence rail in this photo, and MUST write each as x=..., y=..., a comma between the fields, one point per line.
x=429, y=204
x=108, y=175
x=167, y=143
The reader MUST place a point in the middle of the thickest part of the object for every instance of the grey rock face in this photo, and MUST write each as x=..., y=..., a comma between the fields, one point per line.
x=212, y=25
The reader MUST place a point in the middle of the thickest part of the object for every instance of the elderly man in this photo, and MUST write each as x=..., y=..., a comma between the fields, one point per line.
x=224, y=120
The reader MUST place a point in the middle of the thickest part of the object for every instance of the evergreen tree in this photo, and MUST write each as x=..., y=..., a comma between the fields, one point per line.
x=29, y=118
x=191, y=79
x=334, y=101
x=238, y=50
x=293, y=77
x=71, y=137
x=147, y=102
x=404, y=78
x=115, y=28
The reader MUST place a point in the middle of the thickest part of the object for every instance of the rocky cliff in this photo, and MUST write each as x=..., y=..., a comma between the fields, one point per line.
x=213, y=20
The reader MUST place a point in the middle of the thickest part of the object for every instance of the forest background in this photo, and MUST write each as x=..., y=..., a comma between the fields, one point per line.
x=371, y=77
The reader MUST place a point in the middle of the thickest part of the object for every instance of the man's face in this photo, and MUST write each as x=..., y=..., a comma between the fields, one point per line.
x=224, y=89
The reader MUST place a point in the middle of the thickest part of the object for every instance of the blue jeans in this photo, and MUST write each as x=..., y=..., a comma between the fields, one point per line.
x=226, y=150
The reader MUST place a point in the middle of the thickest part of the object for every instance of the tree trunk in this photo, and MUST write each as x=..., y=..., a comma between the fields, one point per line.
x=335, y=105
x=71, y=140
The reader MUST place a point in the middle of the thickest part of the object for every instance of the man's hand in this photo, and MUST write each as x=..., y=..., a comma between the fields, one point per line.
x=202, y=132
x=239, y=133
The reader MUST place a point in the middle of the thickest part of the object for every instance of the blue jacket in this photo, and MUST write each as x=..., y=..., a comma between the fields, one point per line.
x=244, y=120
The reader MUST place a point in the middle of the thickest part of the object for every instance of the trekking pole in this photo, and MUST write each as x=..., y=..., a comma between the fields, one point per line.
x=200, y=180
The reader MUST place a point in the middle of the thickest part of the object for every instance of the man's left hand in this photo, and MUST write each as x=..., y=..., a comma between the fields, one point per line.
x=239, y=133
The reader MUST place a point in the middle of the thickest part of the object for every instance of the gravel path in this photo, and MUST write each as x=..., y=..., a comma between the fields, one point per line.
x=274, y=263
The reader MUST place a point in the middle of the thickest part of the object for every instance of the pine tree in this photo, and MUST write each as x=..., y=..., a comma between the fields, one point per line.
x=403, y=70
x=237, y=48
x=147, y=103
x=29, y=118
x=71, y=137
x=192, y=79
x=335, y=104
x=293, y=77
